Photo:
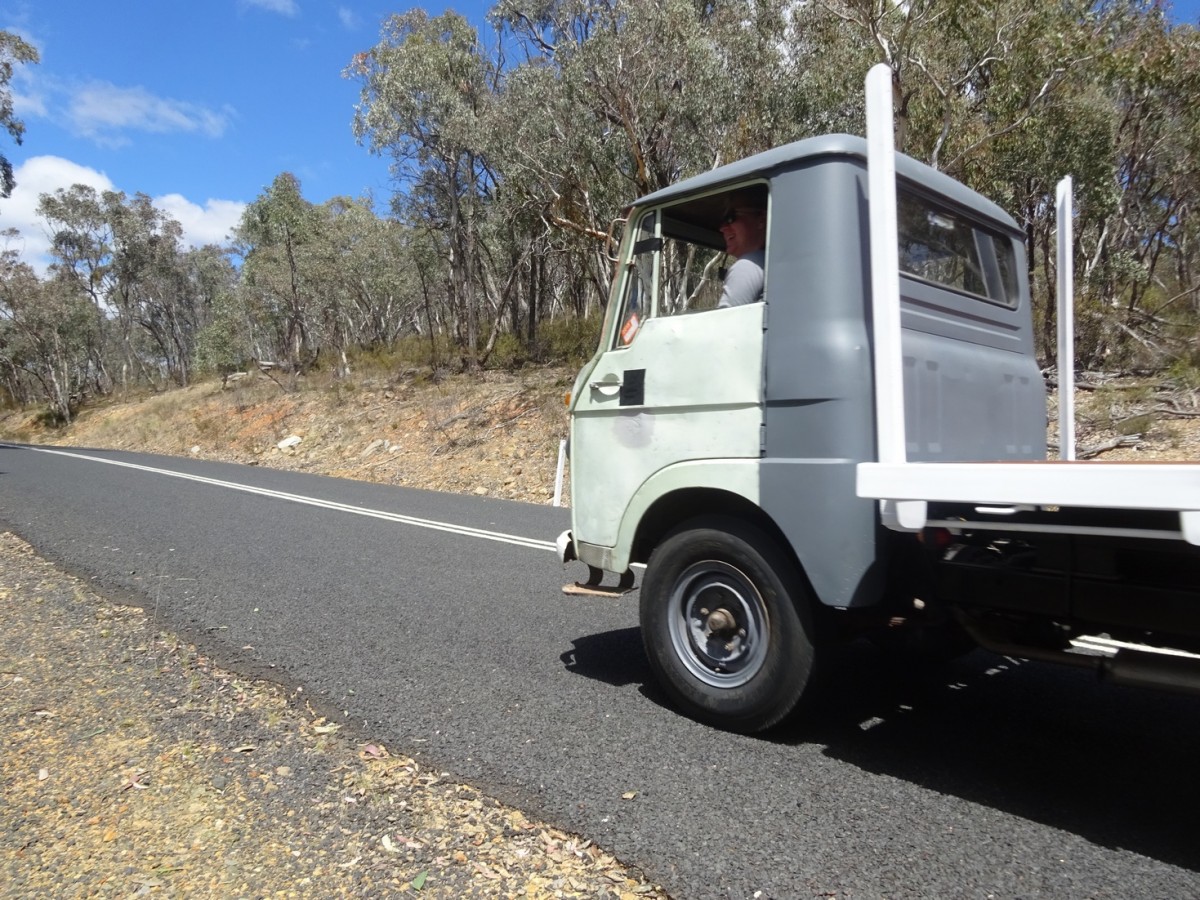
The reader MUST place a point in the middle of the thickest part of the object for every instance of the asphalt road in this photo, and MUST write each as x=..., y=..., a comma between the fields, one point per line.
x=990, y=778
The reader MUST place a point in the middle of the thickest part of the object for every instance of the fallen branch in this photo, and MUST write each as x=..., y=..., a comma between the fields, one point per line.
x=1125, y=440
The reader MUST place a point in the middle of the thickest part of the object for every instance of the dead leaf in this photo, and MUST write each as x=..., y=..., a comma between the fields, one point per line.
x=373, y=751
x=326, y=729
x=486, y=872
x=388, y=845
x=245, y=748
x=629, y=795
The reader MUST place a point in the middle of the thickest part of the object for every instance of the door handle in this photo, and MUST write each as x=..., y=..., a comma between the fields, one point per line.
x=607, y=388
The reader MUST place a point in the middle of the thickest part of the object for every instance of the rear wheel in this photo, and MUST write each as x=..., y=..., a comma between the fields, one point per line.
x=727, y=624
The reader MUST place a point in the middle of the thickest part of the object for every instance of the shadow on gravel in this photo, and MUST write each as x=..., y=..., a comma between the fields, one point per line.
x=1113, y=765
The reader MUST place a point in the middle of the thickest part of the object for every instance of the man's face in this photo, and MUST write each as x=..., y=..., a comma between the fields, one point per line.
x=744, y=230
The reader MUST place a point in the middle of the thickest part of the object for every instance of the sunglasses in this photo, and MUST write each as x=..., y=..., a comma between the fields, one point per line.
x=734, y=214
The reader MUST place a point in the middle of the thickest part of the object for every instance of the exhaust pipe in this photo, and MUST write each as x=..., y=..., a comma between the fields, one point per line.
x=1164, y=671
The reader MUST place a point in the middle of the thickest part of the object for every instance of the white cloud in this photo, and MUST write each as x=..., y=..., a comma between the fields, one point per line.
x=348, y=18
x=31, y=104
x=42, y=175
x=107, y=113
x=283, y=7
x=103, y=111
x=207, y=224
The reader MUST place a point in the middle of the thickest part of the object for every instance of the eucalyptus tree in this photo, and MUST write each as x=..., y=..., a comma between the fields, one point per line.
x=81, y=246
x=372, y=294
x=176, y=303
x=1010, y=95
x=13, y=51
x=44, y=337
x=964, y=72
x=224, y=342
x=612, y=100
x=149, y=288
x=122, y=254
x=426, y=89
x=275, y=235
x=1138, y=258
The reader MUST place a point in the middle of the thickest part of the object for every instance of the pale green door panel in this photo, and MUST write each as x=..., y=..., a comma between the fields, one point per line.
x=688, y=387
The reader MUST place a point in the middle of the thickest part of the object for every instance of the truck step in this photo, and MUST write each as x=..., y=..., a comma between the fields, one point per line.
x=593, y=587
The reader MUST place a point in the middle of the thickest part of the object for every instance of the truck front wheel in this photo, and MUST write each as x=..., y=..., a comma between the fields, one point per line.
x=727, y=624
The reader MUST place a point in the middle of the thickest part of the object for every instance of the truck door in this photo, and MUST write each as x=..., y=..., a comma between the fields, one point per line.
x=677, y=380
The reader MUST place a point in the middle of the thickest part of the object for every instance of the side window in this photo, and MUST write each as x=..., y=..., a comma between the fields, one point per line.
x=943, y=247
x=691, y=277
x=696, y=254
x=1006, y=260
x=637, y=300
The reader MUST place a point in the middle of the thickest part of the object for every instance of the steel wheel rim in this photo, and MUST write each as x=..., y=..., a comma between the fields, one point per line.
x=719, y=624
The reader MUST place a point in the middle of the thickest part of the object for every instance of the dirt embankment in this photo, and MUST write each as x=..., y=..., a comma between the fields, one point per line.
x=494, y=434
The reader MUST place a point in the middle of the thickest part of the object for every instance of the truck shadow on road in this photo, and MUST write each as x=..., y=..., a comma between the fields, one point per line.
x=1113, y=765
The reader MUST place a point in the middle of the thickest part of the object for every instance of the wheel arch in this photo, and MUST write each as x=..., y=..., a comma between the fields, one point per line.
x=674, y=508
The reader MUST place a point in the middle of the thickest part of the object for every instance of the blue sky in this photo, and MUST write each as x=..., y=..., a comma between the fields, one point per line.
x=198, y=103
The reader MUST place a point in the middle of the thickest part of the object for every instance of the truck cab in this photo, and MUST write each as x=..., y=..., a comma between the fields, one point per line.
x=770, y=404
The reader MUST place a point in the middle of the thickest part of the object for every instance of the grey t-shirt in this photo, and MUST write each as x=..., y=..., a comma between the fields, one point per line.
x=744, y=280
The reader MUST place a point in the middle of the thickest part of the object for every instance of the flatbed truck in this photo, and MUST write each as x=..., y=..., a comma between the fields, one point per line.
x=863, y=452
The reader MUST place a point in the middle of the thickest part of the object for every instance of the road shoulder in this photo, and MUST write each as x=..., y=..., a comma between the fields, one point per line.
x=134, y=764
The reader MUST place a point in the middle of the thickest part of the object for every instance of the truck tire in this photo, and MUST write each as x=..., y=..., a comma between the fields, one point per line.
x=728, y=624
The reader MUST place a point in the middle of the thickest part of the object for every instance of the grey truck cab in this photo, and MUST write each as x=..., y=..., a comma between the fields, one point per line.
x=722, y=446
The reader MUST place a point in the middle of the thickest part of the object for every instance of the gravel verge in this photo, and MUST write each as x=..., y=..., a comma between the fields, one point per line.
x=134, y=766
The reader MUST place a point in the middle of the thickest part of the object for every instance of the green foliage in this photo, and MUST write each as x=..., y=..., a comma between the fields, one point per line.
x=515, y=152
x=13, y=51
x=1186, y=372
x=571, y=340
x=1136, y=425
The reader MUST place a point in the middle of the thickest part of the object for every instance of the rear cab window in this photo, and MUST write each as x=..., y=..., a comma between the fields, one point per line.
x=942, y=247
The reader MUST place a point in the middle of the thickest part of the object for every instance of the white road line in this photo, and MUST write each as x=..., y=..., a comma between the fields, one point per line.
x=480, y=533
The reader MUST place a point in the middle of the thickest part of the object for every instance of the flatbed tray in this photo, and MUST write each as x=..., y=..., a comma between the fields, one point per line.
x=996, y=488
